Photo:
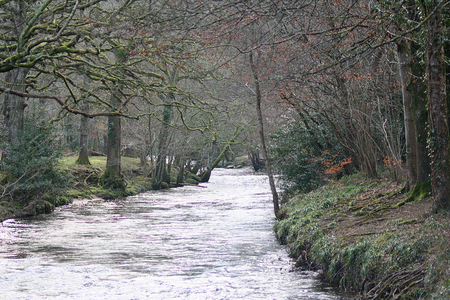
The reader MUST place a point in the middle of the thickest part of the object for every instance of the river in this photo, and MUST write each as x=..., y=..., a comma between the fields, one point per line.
x=212, y=241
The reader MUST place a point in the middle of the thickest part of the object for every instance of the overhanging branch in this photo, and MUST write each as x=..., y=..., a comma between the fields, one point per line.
x=68, y=108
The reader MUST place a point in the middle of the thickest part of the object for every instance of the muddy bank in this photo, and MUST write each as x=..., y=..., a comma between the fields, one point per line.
x=368, y=238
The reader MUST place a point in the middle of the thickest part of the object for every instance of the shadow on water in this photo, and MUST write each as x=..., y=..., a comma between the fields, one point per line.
x=214, y=241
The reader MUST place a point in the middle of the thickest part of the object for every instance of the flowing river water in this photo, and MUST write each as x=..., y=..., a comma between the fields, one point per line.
x=212, y=241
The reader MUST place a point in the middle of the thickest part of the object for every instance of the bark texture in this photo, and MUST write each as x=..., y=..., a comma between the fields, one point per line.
x=437, y=108
x=404, y=58
x=83, y=156
x=111, y=177
x=14, y=106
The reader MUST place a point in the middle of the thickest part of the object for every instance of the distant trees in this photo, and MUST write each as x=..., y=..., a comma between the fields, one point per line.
x=364, y=81
x=338, y=62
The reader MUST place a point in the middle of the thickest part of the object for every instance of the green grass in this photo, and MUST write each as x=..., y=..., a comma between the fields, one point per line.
x=357, y=234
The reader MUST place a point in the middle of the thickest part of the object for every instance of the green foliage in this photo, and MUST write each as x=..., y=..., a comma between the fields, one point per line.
x=29, y=168
x=299, y=154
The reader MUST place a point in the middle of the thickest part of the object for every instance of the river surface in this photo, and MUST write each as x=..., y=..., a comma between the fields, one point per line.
x=212, y=241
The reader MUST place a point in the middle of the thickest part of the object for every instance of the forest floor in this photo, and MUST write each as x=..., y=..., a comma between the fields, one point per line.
x=370, y=239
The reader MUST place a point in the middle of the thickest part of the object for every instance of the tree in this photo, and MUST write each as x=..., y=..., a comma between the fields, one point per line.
x=83, y=156
x=437, y=106
x=276, y=205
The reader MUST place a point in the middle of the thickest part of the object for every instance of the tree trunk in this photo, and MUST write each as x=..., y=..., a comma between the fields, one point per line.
x=14, y=106
x=207, y=173
x=180, y=177
x=418, y=91
x=257, y=163
x=112, y=177
x=404, y=59
x=83, y=157
x=437, y=108
x=276, y=206
x=160, y=173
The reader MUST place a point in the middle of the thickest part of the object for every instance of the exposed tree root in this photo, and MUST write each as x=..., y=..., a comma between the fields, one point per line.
x=395, y=286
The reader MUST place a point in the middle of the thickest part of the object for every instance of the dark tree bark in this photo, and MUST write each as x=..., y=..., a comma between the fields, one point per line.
x=83, y=156
x=276, y=206
x=437, y=107
x=160, y=173
x=404, y=59
x=257, y=162
x=14, y=106
x=419, y=101
x=112, y=177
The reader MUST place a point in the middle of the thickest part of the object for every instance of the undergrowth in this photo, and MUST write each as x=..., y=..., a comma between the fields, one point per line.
x=365, y=238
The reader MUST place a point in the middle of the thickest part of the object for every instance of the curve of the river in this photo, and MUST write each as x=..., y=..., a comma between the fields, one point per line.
x=213, y=241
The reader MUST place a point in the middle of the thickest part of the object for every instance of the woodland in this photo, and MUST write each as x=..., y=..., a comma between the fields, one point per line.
x=309, y=90
x=340, y=86
x=334, y=87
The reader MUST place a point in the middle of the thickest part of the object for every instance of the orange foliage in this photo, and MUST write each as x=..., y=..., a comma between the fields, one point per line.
x=332, y=165
x=391, y=162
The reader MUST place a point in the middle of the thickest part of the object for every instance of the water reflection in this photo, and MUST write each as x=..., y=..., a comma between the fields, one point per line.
x=214, y=241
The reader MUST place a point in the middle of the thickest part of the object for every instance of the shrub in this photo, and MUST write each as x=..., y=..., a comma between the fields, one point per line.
x=29, y=167
x=305, y=157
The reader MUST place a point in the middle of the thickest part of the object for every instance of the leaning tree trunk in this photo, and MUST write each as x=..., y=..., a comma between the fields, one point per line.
x=83, y=156
x=276, y=206
x=437, y=108
x=204, y=177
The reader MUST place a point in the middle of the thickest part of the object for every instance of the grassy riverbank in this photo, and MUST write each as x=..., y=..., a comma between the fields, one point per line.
x=369, y=238
x=82, y=183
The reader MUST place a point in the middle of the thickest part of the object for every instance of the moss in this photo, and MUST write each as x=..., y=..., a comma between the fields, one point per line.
x=78, y=193
x=192, y=178
x=420, y=191
x=38, y=207
x=83, y=159
x=111, y=179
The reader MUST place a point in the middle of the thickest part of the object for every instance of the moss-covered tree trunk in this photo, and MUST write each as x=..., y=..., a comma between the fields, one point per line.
x=83, y=156
x=112, y=177
x=14, y=106
x=418, y=90
x=160, y=173
x=204, y=177
x=180, y=177
x=439, y=143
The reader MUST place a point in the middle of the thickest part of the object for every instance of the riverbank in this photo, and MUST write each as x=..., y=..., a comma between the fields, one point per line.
x=369, y=238
x=83, y=183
